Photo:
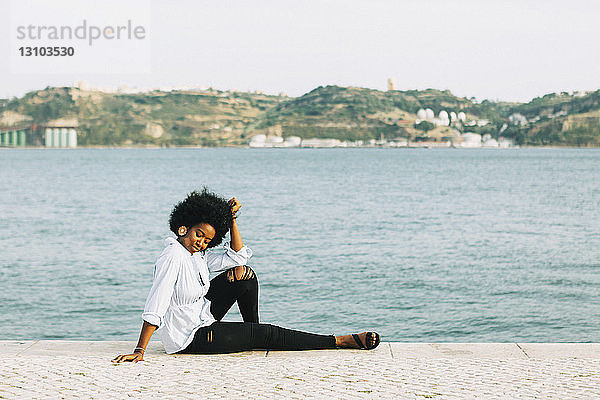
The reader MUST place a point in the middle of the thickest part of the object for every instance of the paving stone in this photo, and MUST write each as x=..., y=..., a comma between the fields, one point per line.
x=457, y=350
x=13, y=347
x=74, y=370
x=554, y=350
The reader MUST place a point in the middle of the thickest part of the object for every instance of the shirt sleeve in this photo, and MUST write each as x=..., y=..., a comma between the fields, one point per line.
x=218, y=262
x=166, y=271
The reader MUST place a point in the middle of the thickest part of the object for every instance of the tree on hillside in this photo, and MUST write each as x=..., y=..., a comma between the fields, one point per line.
x=424, y=126
x=516, y=133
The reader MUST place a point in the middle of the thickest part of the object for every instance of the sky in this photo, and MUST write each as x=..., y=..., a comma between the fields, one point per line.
x=498, y=50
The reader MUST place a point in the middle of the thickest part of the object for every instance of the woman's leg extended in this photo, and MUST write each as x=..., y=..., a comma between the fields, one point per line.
x=236, y=284
x=230, y=337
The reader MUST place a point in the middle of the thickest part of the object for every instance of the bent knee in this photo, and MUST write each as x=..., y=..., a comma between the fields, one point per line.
x=240, y=273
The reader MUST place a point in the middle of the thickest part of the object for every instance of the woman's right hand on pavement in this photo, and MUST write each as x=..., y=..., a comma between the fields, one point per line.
x=135, y=357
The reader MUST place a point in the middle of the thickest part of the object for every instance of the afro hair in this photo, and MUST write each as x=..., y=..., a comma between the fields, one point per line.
x=202, y=207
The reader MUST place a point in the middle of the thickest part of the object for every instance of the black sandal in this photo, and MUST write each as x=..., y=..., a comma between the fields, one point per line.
x=368, y=338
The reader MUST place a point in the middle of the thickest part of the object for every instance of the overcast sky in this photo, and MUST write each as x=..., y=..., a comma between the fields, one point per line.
x=507, y=50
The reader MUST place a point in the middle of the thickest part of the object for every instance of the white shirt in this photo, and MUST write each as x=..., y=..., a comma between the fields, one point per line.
x=176, y=302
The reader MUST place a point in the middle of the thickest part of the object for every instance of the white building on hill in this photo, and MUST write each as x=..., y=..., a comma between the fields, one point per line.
x=471, y=140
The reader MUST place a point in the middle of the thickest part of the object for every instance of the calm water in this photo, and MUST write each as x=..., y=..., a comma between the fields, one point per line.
x=421, y=245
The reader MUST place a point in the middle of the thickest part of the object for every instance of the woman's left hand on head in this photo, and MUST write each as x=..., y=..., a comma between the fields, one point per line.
x=235, y=205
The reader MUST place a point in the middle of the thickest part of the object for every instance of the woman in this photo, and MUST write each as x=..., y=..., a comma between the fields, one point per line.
x=186, y=307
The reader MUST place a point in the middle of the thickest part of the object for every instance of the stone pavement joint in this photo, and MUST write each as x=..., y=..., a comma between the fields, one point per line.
x=80, y=369
x=524, y=352
x=25, y=349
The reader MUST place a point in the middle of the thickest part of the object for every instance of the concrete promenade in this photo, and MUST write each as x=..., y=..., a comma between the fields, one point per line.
x=77, y=369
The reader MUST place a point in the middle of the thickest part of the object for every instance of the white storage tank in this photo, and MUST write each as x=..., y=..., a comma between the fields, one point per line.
x=292, y=141
x=471, y=139
x=48, y=137
x=274, y=139
x=55, y=137
x=258, y=141
x=72, y=138
x=429, y=114
x=64, y=132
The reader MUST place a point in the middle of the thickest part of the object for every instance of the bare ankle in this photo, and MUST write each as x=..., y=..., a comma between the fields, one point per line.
x=343, y=341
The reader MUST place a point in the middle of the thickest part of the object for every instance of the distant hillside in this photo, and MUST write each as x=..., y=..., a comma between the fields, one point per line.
x=358, y=113
x=207, y=118
x=560, y=119
x=218, y=118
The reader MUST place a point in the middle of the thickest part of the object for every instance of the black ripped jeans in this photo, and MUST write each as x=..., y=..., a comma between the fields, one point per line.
x=241, y=285
x=236, y=284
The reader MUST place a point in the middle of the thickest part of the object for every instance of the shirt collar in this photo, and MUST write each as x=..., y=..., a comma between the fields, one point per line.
x=171, y=241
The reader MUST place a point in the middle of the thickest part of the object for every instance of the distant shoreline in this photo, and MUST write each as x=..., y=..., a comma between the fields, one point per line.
x=293, y=148
x=327, y=116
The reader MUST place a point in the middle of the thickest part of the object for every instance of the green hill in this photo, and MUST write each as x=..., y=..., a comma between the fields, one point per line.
x=350, y=113
x=560, y=119
x=208, y=118
x=220, y=118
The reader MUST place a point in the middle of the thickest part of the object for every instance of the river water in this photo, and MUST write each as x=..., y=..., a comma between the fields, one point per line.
x=421, y=245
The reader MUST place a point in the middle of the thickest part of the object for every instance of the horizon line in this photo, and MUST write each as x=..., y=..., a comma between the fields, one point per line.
x=126, y=89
